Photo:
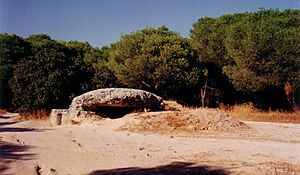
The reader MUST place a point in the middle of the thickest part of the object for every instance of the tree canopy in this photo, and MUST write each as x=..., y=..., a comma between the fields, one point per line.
x=157, y=60
x=234, y=58
x=12, y=49
x=257, y=51
x=264, y=47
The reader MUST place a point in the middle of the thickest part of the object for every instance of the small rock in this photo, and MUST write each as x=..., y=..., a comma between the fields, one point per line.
x=38, y=170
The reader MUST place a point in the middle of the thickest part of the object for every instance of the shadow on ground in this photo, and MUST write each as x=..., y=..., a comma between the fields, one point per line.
x=11, y=152
x=8, y=115
x=14, y=151
x=4, y=117
x=7, y=123
x=17, y=129
x=175, y=168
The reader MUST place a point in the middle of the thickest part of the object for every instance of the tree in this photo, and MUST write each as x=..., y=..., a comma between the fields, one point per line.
x=264, y=47
x=48, y=79
x=159, y=61
x=208, y=36
x=104, y=77
x=55, y=72
x=257, y=52
x=12, y=50
x=101, y=76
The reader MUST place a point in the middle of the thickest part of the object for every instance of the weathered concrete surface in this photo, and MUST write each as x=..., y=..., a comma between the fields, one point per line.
x=117, y=97
x=83, y=105
x=59, y=116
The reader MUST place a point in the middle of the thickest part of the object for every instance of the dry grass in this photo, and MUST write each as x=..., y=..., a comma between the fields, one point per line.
x=173, y=106
x=3, y=111
x=37, y=115
x=249, y=113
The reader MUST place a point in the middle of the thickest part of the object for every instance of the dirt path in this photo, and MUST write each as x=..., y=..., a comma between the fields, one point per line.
x=33, y=147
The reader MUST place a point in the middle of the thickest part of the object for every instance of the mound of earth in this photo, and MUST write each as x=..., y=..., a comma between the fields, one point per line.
x=172, y=106
x=191, y=121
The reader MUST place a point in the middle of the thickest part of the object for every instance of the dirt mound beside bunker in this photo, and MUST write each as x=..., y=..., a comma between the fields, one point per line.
x=191, y=121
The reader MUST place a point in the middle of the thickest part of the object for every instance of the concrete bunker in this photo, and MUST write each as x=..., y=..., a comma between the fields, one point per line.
x=111, y=103
x=115, y=102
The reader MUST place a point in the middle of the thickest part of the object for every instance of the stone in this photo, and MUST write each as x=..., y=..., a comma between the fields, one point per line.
x=114, y=97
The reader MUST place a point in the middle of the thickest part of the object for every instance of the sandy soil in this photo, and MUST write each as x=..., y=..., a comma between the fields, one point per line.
x=33, y=147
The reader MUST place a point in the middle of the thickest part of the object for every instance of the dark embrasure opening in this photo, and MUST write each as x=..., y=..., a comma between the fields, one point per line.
x=112, y=111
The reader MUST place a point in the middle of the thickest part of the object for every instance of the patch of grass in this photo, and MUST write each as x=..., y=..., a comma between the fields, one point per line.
x=37, y=115
x=248, y=112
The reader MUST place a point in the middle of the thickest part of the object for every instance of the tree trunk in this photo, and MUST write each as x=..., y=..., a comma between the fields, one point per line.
x=203, y=93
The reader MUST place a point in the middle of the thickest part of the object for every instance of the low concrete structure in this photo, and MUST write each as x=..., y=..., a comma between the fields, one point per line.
x=118, y=98
x=59, y=116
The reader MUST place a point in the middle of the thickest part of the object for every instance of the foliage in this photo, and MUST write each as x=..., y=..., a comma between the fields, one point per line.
x=258, y=52
x=208, y=36
x=157, y=60
x=264, y=47
x=104, y=77
x=100, y=74
x=234, y=58
x=49, y=78
x=12, y=49
x=46, y=74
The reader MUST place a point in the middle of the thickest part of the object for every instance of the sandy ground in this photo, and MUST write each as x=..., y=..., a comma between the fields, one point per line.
x=33, y=147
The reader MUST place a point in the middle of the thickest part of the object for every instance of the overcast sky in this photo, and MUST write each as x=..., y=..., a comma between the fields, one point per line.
x=101, y=22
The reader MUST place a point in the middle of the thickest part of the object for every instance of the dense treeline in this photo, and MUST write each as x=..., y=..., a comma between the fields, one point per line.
x=258, y=52
x=247, y=57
